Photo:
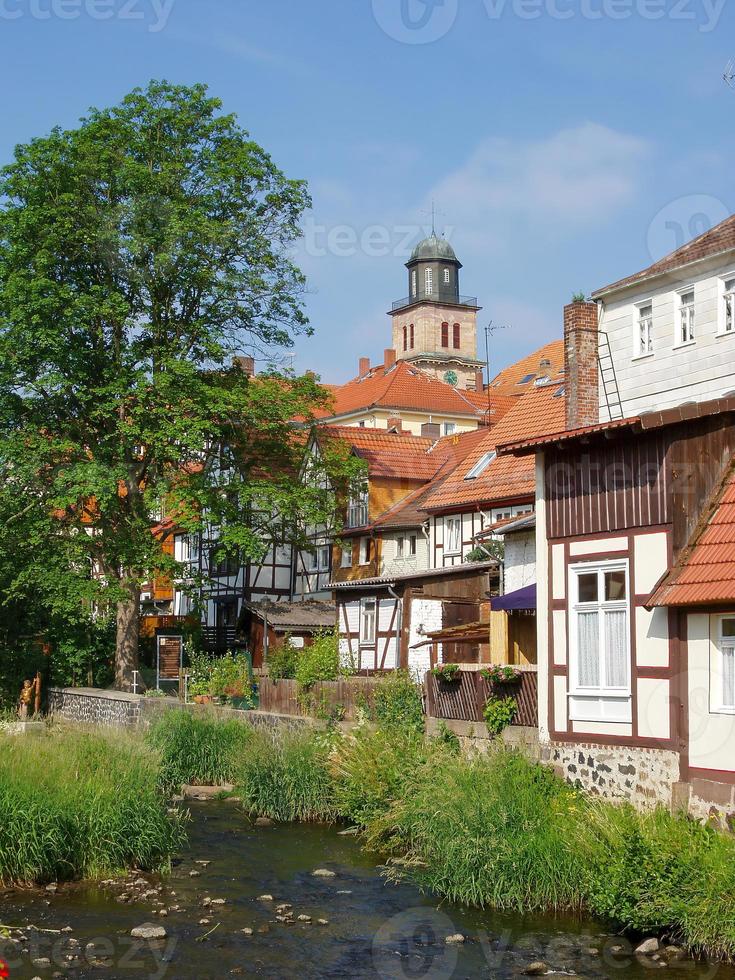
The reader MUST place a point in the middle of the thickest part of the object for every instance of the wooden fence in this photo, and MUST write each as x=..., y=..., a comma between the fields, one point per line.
x=464, y=699
x=340, y=699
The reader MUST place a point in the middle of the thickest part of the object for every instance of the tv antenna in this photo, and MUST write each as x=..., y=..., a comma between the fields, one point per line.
x=432, y=214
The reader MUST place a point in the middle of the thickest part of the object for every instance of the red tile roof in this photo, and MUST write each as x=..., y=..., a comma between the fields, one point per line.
x=540, y=410
x=721, y=238
x=704, y=573
x=508, y=382
x=376, y=439
x=404, y=387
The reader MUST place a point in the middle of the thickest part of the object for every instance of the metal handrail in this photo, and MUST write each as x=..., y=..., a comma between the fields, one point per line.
x=455, y=301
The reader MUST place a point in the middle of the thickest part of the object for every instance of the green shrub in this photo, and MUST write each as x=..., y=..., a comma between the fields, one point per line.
x=198, y=749
x=286, y=777
x=282, y=661
x=81, y=806
x=397, y=703
x=320, y=661
x=499, y=713
x=492, y=830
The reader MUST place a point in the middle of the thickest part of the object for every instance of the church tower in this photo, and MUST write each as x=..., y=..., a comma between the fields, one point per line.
x=434, y=327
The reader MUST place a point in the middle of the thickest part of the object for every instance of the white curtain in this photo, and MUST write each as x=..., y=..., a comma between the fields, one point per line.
x=589, y=649
x=616, y=649
x=728, y=677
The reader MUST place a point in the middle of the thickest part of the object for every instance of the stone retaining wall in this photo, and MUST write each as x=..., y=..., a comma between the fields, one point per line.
x=114, y=709
x=90, y=706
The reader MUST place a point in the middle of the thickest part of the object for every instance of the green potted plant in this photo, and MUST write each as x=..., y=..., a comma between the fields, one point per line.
x=447, y=672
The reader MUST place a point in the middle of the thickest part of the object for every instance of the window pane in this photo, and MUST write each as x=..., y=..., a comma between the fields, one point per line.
x=728, y=627
x=687, y=299
x=589, y=649
x=616, y=649
x=728, y=678
x=615, y=586
x=587, y=587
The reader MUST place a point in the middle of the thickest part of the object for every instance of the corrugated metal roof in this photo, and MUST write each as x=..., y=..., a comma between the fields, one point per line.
x=310, y=614
x=361, y=583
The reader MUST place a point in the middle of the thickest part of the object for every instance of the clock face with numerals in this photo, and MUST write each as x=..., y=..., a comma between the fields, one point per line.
x=451, y=378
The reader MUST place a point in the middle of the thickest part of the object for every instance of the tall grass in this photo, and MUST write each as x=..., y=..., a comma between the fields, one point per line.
x=492, y=830
x=655, y=872
x=286, y=777
x=81, y=806
x=198, y=749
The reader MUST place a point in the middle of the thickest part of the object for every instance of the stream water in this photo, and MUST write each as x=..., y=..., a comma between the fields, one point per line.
x=373, y=929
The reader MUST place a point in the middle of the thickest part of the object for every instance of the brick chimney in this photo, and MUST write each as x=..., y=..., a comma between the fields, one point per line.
x=479, y=381
x=389, y=357
x=364, y=366
x=431, y=430
x=580, y=364
x=395, y=423
x=246, y=365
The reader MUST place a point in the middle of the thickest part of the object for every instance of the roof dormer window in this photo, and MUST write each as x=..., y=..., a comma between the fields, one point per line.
x=481, y=465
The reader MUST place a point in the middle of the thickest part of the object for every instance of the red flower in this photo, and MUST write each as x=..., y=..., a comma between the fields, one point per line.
x=4, y=971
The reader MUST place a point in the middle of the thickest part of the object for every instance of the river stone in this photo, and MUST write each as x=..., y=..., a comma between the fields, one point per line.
x=204, y=922
x=322, y=922
x=304, y=918
x=456, y=937
x=42, y=963
x=648, y=946
x=194, y=874
x=263, y=822
x=323, y=873
x=265, y=898
x=148, y=931
x=247, y=931
x=536, y=969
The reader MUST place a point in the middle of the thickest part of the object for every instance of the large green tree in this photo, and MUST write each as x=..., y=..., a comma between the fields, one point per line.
x=140, y=254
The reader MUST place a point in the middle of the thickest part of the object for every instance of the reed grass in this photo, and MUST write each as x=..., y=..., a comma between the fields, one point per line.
x=198, y=749
x=286, y=777
x=77, y=805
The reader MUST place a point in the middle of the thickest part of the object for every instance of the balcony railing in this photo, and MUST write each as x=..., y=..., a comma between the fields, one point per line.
x=357, y=515
x=219, y=639
x=410, y=300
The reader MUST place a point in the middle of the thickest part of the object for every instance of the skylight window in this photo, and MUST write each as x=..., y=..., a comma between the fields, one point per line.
x=481, y=465
x=543, y=380
x=559, y=393
x=526, y=378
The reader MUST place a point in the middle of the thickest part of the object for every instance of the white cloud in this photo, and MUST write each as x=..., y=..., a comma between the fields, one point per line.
x=575, y=176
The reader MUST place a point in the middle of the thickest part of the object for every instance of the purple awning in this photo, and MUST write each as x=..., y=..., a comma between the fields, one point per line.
x=521, y=599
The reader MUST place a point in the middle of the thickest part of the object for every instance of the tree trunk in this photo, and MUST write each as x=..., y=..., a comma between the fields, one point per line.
x=126, y=643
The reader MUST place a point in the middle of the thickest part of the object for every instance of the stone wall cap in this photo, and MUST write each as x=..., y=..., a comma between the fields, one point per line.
x=96, y=692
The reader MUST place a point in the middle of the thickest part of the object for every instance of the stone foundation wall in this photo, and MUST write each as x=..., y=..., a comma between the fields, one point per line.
x=644, y=777
x=474, y=737
x=711, y=801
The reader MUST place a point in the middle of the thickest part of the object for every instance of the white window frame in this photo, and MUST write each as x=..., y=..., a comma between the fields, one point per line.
x=725, y=646
x=450, y=428
x=400, y=547
x=364, y=551
x=641, y=349
x=368, y=635
x=446, y=276
x=723, y=294
x=414, y=280
x=324, y=555
x=685, y=319
x=453, y=535
x=600, y=703
x=346, y=557
x=412, y=545
x=429, y=281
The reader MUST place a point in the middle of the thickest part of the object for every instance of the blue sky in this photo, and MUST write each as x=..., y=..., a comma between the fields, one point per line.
x=566, y=144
